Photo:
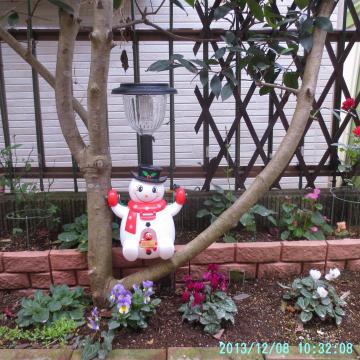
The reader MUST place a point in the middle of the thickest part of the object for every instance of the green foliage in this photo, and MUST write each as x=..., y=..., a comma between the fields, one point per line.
x=97, y=348
x=117, y=3
x=75, y=234
x=248, y=220
x=217, y=308
x=217, y=204
x=62, y=5
x=260, y=53
x=222, y=200
x=304, y=223
x=312, y=302
x=45, y=309
x=58, y=332
x=140, y=311
x=207, y=303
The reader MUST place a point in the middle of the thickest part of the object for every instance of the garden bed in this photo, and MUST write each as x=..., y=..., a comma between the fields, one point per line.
x=260, y=318
x=40, y=269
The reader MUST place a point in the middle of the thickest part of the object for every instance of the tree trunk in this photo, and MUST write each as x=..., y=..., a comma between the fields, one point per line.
x=95, y=162
x=98, y=161
x=39, y=67
x=94, y=159
x=265, y=179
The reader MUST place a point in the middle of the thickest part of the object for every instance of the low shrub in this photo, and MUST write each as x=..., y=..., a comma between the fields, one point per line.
x=45, y=309
x=129, y=309
x=75, y=235
x=206, y=302
x=316, y=297
x=222, y=200
x=100, y=344
x=304, y=223
x=58, y=332
x=132, y=309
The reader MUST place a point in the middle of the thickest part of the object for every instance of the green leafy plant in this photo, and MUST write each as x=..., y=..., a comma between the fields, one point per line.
x=351, y=163
x=217, y=204
x=45, y=309
x=304, y=223
x=206, y=302
x=132, y=309
x=58, y=332
x=222, y=200
x=75, y=235
x=248, y=220
x=313, y=296
x=99, y=344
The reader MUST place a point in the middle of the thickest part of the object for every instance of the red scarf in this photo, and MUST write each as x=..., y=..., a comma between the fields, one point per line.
x=147, y=212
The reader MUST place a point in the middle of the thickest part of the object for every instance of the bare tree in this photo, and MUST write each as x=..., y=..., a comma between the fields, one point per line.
x=94, y=158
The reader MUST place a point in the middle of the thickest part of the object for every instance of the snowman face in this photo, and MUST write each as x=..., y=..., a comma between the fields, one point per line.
x=140, y=191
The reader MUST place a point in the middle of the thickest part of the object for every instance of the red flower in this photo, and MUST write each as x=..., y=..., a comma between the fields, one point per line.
x=223, y=286
x=185, y=296
x=207, y=276
x=190, y=285
x=187, y=278
x=213, y=267
x=356, y=131
x=214, y=282
x=348, y=104
x=198, y=299
x=199, y=286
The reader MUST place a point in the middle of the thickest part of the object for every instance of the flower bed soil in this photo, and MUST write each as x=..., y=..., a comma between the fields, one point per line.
x=260, y=318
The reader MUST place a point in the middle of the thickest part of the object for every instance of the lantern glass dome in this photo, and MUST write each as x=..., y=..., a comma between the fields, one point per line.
x=145, y=105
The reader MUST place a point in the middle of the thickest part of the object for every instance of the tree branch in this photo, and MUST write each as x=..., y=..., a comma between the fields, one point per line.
x=263, y=181
x=69, y=27
x=277, y=86
x=39, y=67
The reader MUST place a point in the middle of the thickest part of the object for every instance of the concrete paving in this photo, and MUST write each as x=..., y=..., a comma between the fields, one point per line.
x=180, y=353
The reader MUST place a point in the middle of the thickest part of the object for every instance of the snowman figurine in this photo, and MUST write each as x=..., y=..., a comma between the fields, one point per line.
x=147, y=230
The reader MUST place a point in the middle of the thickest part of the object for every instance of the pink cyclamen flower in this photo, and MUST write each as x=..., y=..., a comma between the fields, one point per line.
x=314, y=195
x=199, y=286
x=185, y=296
x=314, y=229
x=198, y=299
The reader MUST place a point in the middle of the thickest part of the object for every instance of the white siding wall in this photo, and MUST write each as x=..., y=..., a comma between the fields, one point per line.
x=122, y=138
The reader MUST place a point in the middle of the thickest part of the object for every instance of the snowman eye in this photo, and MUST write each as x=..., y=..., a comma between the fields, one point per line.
x=140, y=188
x=154, y=189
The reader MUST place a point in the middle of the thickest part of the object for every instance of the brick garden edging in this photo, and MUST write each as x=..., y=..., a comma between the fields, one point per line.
x=40, y=269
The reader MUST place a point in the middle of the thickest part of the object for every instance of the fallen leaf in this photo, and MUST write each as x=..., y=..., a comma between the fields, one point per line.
x=283, y=306
x=290, y=308
x=106, y=313
x=124, y=60
x=8, y=312
x=241, y=296
x=345, y=295
x=299, y=327
x=218, y=335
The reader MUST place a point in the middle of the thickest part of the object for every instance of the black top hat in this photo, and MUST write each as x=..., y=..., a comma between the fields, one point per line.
x=149, y=173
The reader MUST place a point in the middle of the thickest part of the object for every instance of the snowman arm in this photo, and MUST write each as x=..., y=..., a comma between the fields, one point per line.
x=174, y=208
x=119, y=210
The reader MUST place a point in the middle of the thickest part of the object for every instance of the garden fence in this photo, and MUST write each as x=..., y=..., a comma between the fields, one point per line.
x=341, y=40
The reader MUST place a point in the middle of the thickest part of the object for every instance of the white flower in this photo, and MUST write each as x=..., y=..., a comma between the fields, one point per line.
x=315, y=274
x=333, y=274
x=322, y=292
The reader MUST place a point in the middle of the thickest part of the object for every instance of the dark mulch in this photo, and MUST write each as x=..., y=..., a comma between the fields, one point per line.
x=260, y=318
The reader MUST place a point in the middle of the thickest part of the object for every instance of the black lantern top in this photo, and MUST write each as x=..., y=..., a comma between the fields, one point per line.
x=144, y=89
